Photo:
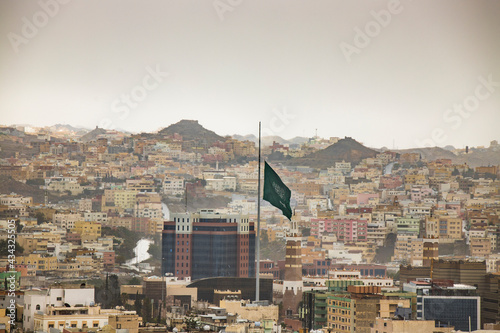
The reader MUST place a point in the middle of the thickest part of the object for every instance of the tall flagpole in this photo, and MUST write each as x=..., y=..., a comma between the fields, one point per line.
x=257, y=269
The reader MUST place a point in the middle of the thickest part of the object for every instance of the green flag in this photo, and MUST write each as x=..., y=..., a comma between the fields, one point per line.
x=275, y=192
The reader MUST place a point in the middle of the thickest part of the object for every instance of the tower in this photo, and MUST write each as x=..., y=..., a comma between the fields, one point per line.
x=292, y=285
x=430, y=252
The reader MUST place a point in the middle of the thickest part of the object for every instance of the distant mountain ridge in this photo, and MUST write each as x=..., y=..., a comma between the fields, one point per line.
x=346, y=149
x=475, y=157
x=429, y=153
x=268, y=140
x=58, y=127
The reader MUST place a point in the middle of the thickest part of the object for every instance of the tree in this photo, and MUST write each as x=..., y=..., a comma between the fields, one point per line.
x=130, y=239
x=490, y=176
x=264, y=238
x=138, y=304
x=108, y=294
x=120, y=259
x=147, y=310
x=36, y=181
x=134, y=281
x=86, y=192
x=114, y=287
x=40, y=218
x=4, y=247
x=306, y=232
x=468, y=173
x=155, y=251
x=191, y=321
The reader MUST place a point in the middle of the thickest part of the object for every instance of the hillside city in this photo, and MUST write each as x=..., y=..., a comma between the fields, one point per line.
x=108, y=231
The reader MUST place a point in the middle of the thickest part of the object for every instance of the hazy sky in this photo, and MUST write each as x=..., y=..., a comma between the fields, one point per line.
x=378, y=71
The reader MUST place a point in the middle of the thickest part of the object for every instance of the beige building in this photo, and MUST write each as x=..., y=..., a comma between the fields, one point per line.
x=249, y=311
x=14, y=200
x=38, y=262
x=415, y=180
x=88, y=231
x=4, y=321
x=65, y=186
x=141, y=185
x=83, y=317
x=376, y=234
x=385, y=325
x=480, y=247
x=131, y=292
x=155, y=226
x=173, y=185
x=66, y=220
x=125, y=199
x=409, y=248
x=358, y=313
x=85, y=205
x=128, y=320
x=37, y=241
x=223, y=184
x=443, y=226
x=95, y=217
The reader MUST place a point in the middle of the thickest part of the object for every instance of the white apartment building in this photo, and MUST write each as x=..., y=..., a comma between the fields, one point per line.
x=95, y=217
x=39, y=301
x=224, y=184
x=66, y=220
x=173, y=186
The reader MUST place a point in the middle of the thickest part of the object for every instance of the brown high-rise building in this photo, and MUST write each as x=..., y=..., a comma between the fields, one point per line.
x=467, y=272
x=208, y=244
x=471, y=273
x=410, y=273
x=430, y=252
x=292, y=285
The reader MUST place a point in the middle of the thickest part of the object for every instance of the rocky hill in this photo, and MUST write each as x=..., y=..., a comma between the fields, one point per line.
x=347, y=149
x=192, y=130
x=92, y=135
x=9, y=185
x=477, y=158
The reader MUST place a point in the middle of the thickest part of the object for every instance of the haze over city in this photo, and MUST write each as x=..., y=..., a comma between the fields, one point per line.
x=395, y=74
x=137, y=196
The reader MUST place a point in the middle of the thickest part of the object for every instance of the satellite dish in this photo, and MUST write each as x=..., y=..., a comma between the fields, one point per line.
x=175, y=330
x=206, y=328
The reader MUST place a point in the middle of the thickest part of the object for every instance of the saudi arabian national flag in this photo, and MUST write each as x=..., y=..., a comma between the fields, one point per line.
x=275, y=192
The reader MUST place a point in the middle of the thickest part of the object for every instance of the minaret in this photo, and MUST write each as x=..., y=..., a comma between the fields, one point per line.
x=292, y=285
